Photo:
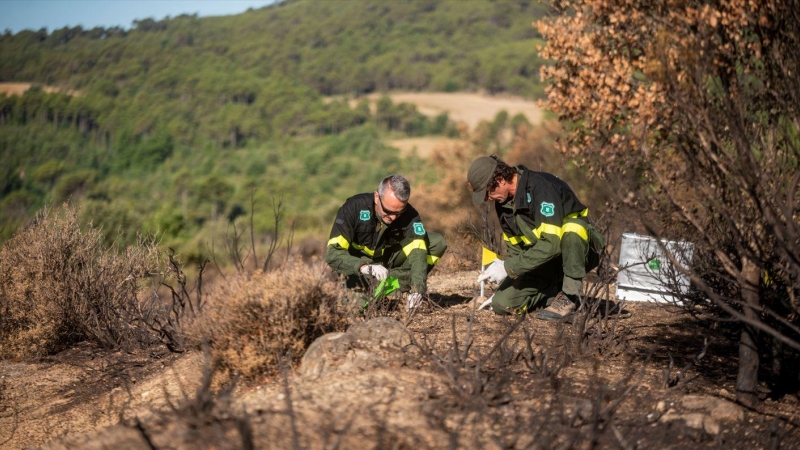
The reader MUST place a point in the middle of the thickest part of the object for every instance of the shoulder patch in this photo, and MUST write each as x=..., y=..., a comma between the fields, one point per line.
x=419, y=230
x=548, y=209
x=365, y=215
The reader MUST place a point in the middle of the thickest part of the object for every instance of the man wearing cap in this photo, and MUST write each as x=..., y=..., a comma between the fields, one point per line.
x=378, y=235
x=550, y=241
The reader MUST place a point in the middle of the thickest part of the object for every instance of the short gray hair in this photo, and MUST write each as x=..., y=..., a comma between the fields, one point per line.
x=399, y=184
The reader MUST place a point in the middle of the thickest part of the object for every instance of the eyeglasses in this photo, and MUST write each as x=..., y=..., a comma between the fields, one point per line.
x=389, y=212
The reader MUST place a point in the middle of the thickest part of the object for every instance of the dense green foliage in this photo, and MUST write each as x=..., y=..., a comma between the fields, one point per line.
x=175, y=122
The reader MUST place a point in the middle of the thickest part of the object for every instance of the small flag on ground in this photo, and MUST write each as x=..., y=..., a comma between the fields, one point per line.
x=488, y=257
x=387, y=286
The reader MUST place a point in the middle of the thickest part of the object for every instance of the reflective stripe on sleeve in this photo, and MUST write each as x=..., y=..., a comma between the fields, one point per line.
x=342, y=242
x=432, y=260
x=415, y=244
x=578, y=229
x=516, y=240
x=584, y=213
x=547, y=228
x=555, y=230
x=339, y=240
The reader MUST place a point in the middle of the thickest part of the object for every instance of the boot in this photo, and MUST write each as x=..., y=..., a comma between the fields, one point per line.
x=562, y=308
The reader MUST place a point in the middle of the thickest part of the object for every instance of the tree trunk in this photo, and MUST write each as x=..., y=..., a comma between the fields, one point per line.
x=747, y=378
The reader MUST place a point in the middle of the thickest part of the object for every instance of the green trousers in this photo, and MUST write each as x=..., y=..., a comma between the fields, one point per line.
x=530, y=291
x=581, y=246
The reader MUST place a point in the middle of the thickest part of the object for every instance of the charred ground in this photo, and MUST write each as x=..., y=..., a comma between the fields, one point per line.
x=646, y=378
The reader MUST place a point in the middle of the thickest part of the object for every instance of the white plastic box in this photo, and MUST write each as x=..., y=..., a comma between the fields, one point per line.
x=647, y=274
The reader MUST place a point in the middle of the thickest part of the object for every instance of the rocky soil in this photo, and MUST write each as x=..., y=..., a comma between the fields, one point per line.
x=445, y=376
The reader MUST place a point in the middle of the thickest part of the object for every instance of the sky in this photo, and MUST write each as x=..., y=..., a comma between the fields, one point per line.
x=17, y=15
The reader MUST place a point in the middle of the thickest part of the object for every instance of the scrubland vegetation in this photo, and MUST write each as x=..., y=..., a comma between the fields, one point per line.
x=60, y=285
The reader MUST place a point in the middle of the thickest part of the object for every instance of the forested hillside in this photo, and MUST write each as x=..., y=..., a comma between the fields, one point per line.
x=176, y=122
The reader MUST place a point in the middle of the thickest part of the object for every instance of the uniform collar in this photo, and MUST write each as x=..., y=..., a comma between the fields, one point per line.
x=522, y=198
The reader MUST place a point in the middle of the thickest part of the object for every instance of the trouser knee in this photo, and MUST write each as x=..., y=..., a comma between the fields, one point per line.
x=438, y=245
x=521, y=295
x=574, y=250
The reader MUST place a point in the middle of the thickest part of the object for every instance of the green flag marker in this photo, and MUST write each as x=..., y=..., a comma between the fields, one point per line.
x=387, y=286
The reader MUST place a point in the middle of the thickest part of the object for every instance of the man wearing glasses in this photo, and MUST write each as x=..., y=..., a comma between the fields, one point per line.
x=379, y=235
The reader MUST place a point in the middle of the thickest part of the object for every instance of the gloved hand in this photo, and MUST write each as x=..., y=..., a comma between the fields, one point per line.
x=414, y=300
x=376, y=270
x=496, y=272
x=487, y=304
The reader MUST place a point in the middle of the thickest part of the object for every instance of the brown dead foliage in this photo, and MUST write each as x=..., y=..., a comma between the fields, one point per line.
x=444, y=205
x=691, y=107
x=60, y=285
x=253, y=320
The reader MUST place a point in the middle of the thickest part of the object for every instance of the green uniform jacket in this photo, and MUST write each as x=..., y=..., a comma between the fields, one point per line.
x=358, y=237
x=533, y=222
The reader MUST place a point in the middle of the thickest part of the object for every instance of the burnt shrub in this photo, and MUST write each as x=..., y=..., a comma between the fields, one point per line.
x=60, y=285
x=253, y=319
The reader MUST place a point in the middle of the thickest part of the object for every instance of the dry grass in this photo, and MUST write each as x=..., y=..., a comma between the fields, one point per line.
x=253, y=320
x=20, y=88
x=422, y=146
x=463, y=107
x=60, y=285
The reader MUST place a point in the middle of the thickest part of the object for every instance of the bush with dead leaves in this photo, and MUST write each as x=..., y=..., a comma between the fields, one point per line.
x=255, y=319
x=60, y=285
x=691, y=108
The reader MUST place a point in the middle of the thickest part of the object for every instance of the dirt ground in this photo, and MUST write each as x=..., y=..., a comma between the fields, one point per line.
x=642, y=383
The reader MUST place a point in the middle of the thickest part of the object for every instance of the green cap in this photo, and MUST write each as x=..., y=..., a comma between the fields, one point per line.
x=479, y=174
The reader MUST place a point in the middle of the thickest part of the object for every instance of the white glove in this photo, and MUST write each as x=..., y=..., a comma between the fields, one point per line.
x=496, y=272
x=414, y=300
x=487, y=304
x=376, y=270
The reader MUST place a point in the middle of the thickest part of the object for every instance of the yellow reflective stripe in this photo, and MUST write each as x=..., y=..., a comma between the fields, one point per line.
x=339, y=240
x=584, y=213
x=516, y=240
x=547, y=228
x=415, y=244
x=345, y=245
x=576, y=228
x=553, y=229
x=364, y=249
x=432, y=260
